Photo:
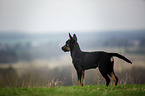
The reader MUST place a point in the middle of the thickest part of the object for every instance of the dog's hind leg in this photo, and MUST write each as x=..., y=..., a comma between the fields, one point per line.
x=114, y=77
x=107, y=79
x=105, y=75
x=111, y=72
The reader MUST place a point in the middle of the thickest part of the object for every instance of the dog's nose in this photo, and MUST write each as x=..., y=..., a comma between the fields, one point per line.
x=62, y=48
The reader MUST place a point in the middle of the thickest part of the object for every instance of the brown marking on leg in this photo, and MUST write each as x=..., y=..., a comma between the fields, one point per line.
x=79, y=83
x=115, y=79
x=82, y=78
x=105, y=75
x=105, y=82
x=79, y=73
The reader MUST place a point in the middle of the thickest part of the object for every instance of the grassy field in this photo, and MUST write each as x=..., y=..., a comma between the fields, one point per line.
x=89, y=90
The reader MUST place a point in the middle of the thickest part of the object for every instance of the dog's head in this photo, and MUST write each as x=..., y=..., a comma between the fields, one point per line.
x=69, y=43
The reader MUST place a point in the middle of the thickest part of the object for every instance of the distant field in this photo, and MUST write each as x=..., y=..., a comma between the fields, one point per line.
x=47, y=72
x=90, y=90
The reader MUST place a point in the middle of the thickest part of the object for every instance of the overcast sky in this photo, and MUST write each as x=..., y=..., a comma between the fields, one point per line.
x=71, y=15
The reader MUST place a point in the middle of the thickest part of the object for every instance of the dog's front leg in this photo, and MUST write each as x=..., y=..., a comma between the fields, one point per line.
x=80, y=74
x=82, y=78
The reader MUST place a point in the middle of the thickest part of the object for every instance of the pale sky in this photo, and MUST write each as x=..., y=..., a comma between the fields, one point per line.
x=37, y=16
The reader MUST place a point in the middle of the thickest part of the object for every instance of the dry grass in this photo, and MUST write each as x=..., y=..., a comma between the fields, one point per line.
x=39, y=74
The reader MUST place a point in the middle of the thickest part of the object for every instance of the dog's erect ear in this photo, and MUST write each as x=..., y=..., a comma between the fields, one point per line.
x=70, y=37
x=75, y=37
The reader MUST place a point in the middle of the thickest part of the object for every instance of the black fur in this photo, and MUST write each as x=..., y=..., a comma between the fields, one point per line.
x=87, y=60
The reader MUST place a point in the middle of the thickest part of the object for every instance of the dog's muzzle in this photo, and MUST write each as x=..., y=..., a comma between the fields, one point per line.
x=65, y=49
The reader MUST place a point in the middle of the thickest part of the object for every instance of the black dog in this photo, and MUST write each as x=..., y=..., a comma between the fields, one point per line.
x=88, y=60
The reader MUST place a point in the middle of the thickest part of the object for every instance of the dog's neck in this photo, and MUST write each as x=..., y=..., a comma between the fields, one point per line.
x=76, y=51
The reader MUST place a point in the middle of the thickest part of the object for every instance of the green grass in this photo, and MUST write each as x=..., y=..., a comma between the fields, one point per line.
x=89, y=90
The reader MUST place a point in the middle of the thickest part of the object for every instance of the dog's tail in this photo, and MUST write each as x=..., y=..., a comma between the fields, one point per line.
x=120, y=56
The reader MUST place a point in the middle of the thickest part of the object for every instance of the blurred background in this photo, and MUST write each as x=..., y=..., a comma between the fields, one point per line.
x=32, y=33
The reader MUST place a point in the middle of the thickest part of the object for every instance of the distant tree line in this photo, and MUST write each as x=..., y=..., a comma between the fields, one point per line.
x=10, y=53
x=8, y=56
